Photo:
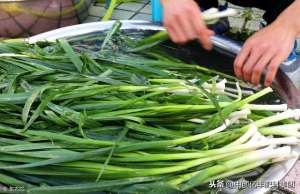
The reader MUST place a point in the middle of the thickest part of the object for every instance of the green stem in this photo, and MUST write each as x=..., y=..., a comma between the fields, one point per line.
x=109, y=11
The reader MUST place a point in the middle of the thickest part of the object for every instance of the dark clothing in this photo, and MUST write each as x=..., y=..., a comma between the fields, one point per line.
x=272, y=7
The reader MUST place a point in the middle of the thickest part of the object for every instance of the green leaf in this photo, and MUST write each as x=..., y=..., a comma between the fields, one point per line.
x=71, y=54
x=32, y=98
x=115, y=28
x=91, y=187
x=40, y=109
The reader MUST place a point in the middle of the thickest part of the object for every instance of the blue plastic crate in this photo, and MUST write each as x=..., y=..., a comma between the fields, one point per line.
x=157, y=11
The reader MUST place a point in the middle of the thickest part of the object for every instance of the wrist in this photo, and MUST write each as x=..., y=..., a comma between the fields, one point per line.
x=288, y=24
x=289, y=18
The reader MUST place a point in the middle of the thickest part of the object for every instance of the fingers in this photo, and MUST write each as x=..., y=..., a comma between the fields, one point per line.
x=187, y=28
x=251, y=61
x=181, y=36
x=173, y=34
x=265, y=50
x=184, y=23
x=171, y=26
x=272, y=70
x=240, y=60
x=259, y=68
x=177, y=20
x=210, y=32
x=204, y=38
x=203, y=33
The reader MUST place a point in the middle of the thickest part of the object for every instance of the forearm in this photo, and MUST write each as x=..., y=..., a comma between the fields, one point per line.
x=289, y=18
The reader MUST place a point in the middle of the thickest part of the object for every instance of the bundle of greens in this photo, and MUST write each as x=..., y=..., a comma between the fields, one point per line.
x=95, y=114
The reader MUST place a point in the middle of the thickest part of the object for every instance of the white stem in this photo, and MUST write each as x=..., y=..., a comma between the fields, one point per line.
x=282, y=130
x=245, y=92
x=193, y=81
x=226, y=13
x=207, y=134
x=275, y=108
x=244, y=85
x=12, y=55
x=257, y=137
x=200, y=121
x=265, y=154
x=276, y=141
x=210, y=11
x=258, y=155
x=231, y=95
x=284, y=158
x=251, y=131
x=296, y=113
x=270, y=138
x=292, y=127
x=181, y=91
x=239, y=91
x=219, y=87
x=289, y=114
x=253, y=146
x=241, y=114
x=236, y=116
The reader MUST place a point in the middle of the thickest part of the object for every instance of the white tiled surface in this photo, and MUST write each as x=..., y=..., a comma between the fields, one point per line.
x=96, y=11
x=146, y=9
x=121, y=14
x=142, y=16
x=140, y=10
x=131, y=6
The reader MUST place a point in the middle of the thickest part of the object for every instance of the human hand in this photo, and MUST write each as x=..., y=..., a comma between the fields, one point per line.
x=265, y=50
x=183, y=21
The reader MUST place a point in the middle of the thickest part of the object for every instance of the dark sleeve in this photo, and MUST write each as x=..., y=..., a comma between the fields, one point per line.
x=273, y=8
x=206, y=4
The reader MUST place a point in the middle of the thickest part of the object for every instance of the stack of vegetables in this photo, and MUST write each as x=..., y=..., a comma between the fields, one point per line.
x=120, y=117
